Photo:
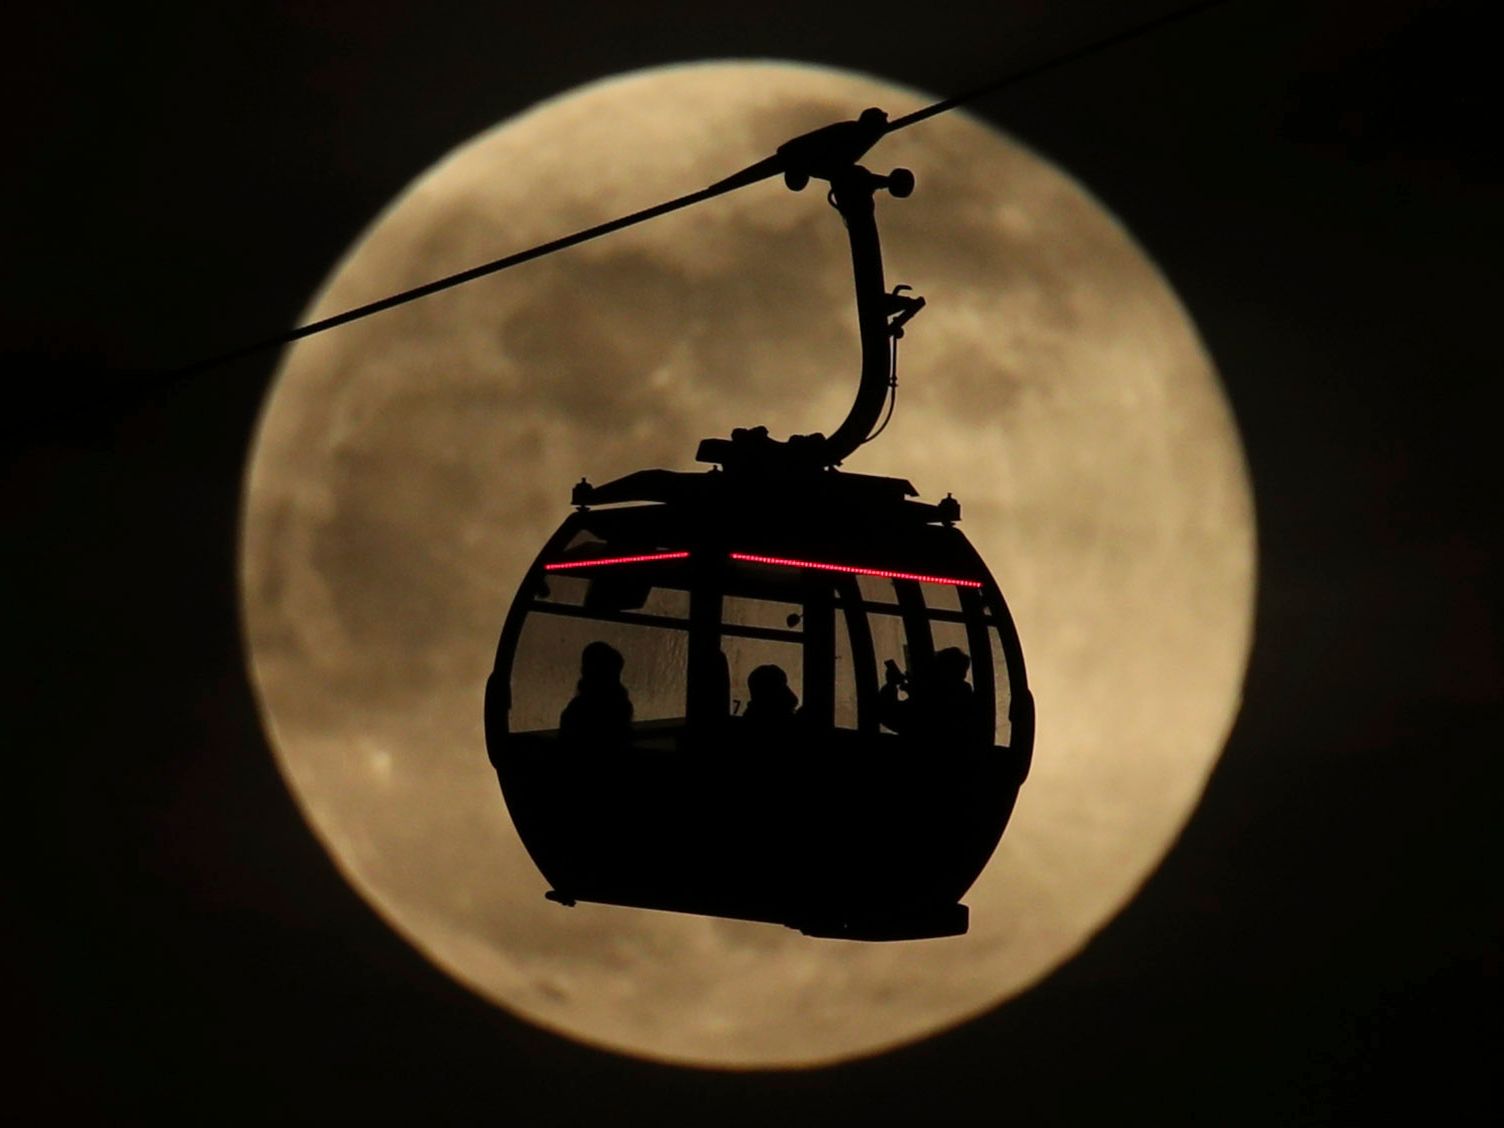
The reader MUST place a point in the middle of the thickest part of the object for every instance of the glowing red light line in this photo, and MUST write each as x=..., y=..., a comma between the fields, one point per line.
x=852, y=569
x=563, y=564
x=779, y=561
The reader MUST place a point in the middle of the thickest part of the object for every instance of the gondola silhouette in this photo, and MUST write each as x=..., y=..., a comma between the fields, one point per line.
x=862, y=813
x=856, y=809
x=653, y=781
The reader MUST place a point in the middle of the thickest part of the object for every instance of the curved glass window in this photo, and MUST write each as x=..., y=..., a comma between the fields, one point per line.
x=728, y=639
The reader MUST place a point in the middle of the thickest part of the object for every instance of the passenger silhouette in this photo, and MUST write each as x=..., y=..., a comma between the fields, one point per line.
x=940, y=702
x=601, y=711
x=771, y=703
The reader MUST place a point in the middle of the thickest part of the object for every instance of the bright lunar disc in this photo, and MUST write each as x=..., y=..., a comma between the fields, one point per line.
x=408, y=467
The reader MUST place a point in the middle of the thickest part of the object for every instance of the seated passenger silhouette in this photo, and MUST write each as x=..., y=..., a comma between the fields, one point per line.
x=601, y=712
x=771, y=703
x=940, y=704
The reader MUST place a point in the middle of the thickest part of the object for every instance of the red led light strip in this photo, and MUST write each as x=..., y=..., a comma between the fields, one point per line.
x=851, y=569
x=561, y=565
x=780, y=561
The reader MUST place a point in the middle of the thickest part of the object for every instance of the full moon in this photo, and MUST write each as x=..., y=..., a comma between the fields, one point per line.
x=409, y=466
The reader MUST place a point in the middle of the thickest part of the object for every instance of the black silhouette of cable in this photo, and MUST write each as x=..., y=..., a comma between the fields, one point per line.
x=752, y=174
x=1055, y=63
x=452, y=280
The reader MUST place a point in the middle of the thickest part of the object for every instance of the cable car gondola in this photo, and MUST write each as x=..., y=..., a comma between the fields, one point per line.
x=772, y=690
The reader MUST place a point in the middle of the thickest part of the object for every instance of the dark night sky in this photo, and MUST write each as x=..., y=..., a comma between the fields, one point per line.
x=1314, y=178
